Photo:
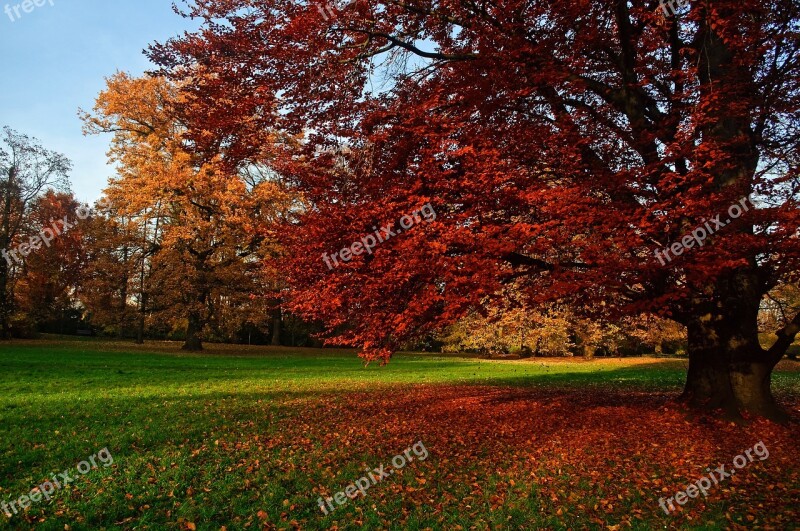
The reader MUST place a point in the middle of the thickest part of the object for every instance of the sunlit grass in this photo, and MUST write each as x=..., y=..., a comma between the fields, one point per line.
x=212, y=438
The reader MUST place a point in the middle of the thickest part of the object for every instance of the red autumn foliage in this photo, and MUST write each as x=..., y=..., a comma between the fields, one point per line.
x=560, y=143
x=53, y=269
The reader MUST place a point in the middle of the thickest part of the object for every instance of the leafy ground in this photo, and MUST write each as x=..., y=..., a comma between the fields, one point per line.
x=250, y=438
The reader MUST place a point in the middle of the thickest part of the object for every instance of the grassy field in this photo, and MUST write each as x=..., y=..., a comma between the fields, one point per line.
x=242, y=437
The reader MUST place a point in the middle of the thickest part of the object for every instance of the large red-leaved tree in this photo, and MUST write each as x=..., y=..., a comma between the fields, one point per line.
x=562, y=145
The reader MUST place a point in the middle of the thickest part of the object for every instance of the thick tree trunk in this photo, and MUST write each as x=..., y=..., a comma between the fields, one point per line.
x=708, y=382
x=194, y=342
x=751, y=383
x=728, y=368
x=715, y=383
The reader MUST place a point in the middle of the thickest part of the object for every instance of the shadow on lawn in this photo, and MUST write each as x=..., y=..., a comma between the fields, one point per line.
x=602, y=434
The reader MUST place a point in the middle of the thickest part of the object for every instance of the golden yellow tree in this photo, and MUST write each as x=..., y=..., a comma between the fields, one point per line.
x=208, y=232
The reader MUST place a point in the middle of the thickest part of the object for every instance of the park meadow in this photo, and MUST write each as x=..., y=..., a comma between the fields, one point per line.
x=251, y=437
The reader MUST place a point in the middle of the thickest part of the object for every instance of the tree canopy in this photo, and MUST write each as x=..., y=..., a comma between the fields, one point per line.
x=562, y=144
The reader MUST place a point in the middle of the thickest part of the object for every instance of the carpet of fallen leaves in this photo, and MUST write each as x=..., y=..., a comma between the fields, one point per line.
x=542, y=456
x=604, y=458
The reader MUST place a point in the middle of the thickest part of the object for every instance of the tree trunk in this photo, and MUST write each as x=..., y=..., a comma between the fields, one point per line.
x=751, y=384
x=708, y=382
x=140, y=330
x=728, y=368
x=5, y=302
x=735, y=388
x=123, y=310
x=141, y=318
x=588, y=352
x=277, y=322
x=194, y=342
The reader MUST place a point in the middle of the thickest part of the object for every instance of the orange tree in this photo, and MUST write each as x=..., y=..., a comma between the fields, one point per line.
x=212, y=233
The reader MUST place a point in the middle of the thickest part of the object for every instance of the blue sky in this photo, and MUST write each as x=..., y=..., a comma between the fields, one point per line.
x=54, y=61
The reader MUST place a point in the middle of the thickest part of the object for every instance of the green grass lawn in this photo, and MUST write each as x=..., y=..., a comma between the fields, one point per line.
x=251, y=437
